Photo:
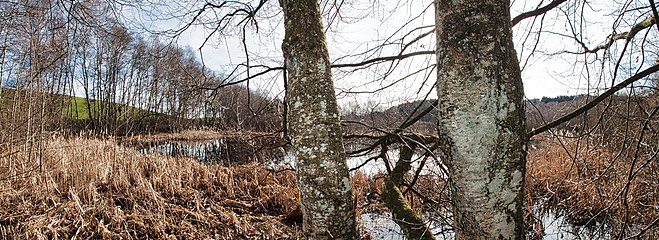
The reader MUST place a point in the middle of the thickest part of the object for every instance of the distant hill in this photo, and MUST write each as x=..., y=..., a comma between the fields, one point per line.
x=562, y=98
x=393, y=117
x=538, y=112
x=76, y=108
x=230, y=108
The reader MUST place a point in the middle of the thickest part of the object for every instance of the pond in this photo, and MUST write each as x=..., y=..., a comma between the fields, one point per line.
x=236, y=150
x=381, y=226
x=226, y=151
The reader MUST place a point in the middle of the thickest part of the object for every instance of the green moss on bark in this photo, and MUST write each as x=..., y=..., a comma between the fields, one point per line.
x=409, y=220
x=481, y=117
x=314, y=126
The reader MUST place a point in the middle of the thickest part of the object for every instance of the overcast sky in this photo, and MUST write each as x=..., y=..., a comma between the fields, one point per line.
x=367, y=24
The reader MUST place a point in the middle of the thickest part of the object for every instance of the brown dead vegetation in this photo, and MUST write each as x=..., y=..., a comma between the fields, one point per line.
x=592, y=184
x=87, y=188
x=95, y=189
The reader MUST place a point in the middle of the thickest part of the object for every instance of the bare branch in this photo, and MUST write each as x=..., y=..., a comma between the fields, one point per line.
x=654, y=12
x=383, y=59
x=595, y=101
x=648, y=22
x=270, y=69
x=537, y=11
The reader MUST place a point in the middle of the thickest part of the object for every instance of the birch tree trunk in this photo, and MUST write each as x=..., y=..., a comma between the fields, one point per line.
x=314, y=126
x=481, y=117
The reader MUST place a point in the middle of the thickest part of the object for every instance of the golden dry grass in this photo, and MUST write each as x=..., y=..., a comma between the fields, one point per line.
x=587, y=182
x=193, y=135
x=95, y=189
x=88, y=188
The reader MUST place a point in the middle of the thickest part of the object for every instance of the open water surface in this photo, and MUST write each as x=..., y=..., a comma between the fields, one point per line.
x=230, y=151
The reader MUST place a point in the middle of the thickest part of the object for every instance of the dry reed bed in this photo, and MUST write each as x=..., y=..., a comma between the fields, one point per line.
x=591, y=183
x=95, y=189
x=89, y=188
x=194, y=135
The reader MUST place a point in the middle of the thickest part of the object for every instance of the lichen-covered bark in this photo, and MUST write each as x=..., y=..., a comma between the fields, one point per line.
x=412, y=224
x=314, y=126
x=481, y=117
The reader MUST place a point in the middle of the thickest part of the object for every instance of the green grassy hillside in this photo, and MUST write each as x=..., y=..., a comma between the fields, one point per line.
x=76, y=108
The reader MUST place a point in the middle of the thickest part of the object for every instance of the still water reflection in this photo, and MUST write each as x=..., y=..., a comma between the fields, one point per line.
x=232, y=151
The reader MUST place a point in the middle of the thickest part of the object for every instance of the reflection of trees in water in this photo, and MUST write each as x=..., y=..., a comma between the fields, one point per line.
x=556, y=226
x=224, y=151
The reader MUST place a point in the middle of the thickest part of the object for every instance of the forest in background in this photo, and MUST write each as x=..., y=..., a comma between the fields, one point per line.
x=74, y=78
x=72, y=67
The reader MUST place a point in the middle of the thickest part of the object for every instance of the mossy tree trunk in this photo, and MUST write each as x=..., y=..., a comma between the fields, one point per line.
x=481, y=117
x=314, y=126
x=409, y=220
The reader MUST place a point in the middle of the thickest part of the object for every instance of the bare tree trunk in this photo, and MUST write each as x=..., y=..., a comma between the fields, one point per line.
x=412, y=223
x=314, y=127
x=481, y=117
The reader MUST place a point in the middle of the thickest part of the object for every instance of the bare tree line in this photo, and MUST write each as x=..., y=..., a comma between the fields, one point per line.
x=53, y=50
x=622, y=123
x=604, y=64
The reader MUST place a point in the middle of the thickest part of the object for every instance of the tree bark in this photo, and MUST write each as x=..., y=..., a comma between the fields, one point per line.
x=412, y=224
x=314, y=126
x=481, y=117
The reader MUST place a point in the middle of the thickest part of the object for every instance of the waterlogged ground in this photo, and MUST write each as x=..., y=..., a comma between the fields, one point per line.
x=376, y=225
x=97, y=188
x=382, y=227
x=226, y=151
x=230, y=150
